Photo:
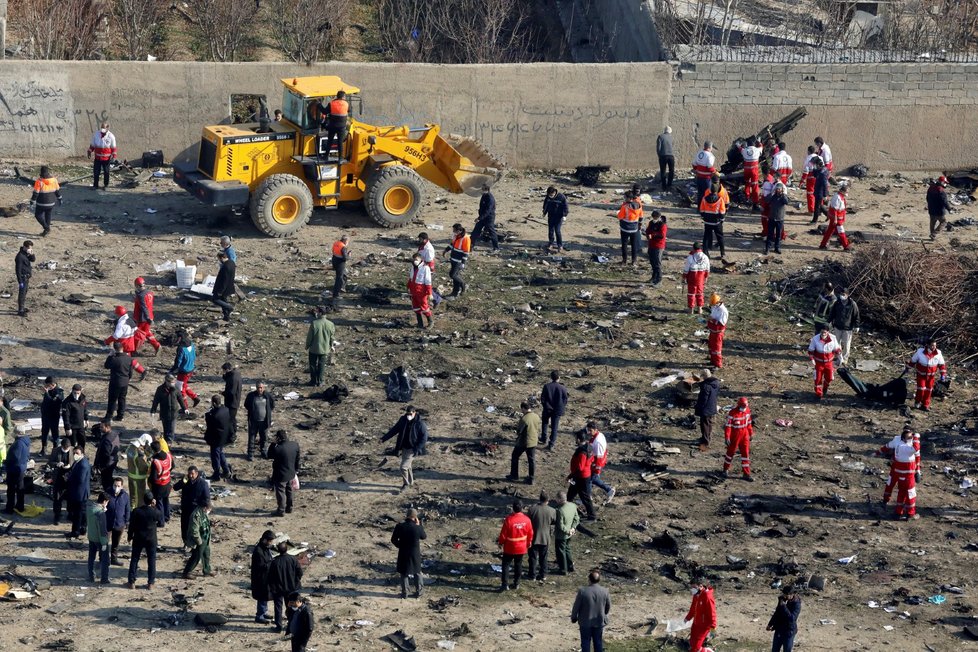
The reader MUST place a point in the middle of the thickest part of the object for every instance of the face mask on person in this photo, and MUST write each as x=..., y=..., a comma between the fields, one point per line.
x=77, y=395
x=79, y=458
x=410, y=417
x=117, y=490
x=417, y=263
x=104, y=131
x=694, y=591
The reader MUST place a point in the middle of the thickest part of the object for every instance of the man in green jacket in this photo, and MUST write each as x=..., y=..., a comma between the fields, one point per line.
x=567, y=521
x=198, y=539
x=98, y=538
x=527, y=437
x=319, y=344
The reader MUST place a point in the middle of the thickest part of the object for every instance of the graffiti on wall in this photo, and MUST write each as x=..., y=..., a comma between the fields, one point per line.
x=42, y=118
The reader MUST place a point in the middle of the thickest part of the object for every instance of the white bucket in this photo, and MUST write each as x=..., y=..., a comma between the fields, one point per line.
x=185, y=276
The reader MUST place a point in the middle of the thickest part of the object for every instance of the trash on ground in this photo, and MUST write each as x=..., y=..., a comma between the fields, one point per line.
x=166, y=266
x=677, y=625
x=291, y=396
x=35, y=557
x=937, y=599
x=445, y=644
x=847, y=560
x=966, y=483
x=800, y=370
x=853, y=466
x=784, y=423
x=21, y=404
x=868, y=365
x=826, y=621
x=665, y=380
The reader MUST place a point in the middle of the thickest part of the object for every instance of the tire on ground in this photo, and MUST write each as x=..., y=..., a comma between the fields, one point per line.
x=281, y=205
x=393, y=197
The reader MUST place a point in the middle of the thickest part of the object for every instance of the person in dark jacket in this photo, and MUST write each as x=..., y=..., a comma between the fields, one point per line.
x=60, y=463
x=117, y=517
x=232, y=392
x=217, y=435
x=261, y=561
x=51, y=413
x=591, y=608
x=143, y=524
x=74, y=415
x=542, y=517
x=259, y=405
x=844, y=318
x=284, y=577
x=301, y=621
x=119, y=365
x=79, y=487
x=15, y=465
x=655, y=235
x=555, y=210
x=486, y=220
x=784, y=621
x=224, y=285
x=284, y=454
x=407, y=538
x=663, y=149
x=938, y=205
x=706, y=406
x=169, y=402
x=412, y=437
x=553, y=398
x=107, y=454
x=194, y=492
x=821, y=188
x=47, y=193
x=777, y=203
x=23, y=271
x=160, y=470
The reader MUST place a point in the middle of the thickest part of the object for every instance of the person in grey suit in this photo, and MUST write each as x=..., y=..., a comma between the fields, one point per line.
x=590, y=612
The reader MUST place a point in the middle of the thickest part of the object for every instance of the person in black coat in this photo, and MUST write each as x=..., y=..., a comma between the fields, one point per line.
x=194, y=493
x=284, y=454
x=261, y=560
x=60, y=463
x=74, y=415
x=706, y=406
x=107, y=454
x=407, y=538
x=169, y=402
x=51, y=413
x=119, y=365
x=259, y=405
x=24, y=271
x=486, y=220
x=143, y=524
x=77, y=490
x=553, y=398
x=412, y=437
x=784, y=621
x=301, y=621
x=224, y=285
x=284, y=577
x=232, y=392
x=217, y=434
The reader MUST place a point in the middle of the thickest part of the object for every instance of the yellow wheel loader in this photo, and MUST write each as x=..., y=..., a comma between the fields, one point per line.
x=280, y=170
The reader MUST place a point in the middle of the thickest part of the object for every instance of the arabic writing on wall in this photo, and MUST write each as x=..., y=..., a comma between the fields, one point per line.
x=42, y=117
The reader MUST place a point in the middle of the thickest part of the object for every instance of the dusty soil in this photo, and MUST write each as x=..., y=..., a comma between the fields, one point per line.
x=811, y=506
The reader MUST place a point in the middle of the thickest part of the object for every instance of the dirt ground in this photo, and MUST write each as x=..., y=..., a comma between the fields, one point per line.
x=816, y=499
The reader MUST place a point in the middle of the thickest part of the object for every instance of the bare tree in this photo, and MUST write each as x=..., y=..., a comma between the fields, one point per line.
x=308, y=29
x=61, y=29
x=140, y=25
x=224, y=29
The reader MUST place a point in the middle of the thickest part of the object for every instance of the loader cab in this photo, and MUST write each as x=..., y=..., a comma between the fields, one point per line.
x=304, y=97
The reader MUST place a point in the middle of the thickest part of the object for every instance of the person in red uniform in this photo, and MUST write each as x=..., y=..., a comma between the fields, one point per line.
x=696, y=270
x=515, y=539
x=717, y=325
x=904, y=455
x=655, y=235
x=419, y=287
x=927, y=361
x=808, y=177
x=837, y=219
x=737, y=434
x=822, y=351
x=103, y=148
x=125, y=334
x=751, y=154
x=142, y=314
x=579, y=477
x=703, y=613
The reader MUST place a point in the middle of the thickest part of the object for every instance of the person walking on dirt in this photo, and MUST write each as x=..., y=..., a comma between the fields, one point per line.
x=777, y=204
x=938, y=205
x=655, y=236
x=74, y=416
x=217, y=435
x=822, y=351
x=630, y=226
x=98, y=538
x=703, y=613
x=319, y=344
x=459, y=249
x=51, y=402
x=23, y=270
x=542, y=517
x=169, y=402
x=407, y=538
x=599, y=459
x=837, y=219
x=301, y=621
x=905, y=472
x=704, y=165
x=46, y=194
x=161, y=466
x=59, y=464
x=737, y=436
x=565, y=527
x=555, y=210
x=590, y=611
x=341, y=254
x=285, y=456
x=143, y=315
x=120, y=366
x=260, y=406
x=696, y=270
x=233, y=257
x=78, y=488
x=224, y=285
x=823, y=305
x=527, y=438
x=579, y=478
x=231, y=376
x=284, y=577
x=198, y=539
x=103, y=149
x=194, y=492
x=142, y=534
x=808, y=177
x=261, y=560
x=106, y=460
x=844, y=318
x=125, y=333
x=514, y=538
x=767, y=189
x=15, y=465
x=487, y=219
x=717, y=326
x=419, y=287
x=117, y=515
x=411, y=434
x=927, y=361
x=706, y=406
x=784, y=621
x=184, y=364
x=426, y=250
x=667, y=160
x=553, y=398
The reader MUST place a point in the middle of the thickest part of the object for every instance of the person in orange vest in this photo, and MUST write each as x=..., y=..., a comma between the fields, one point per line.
x=717, y=325
x=630, y=225
x=125, y=334
x=703, y=613
x=46, y=193
x=419, y=287
x=459, y=249
x=696, y=270
x=904, y=454
x=337, y=115
x=837, y=219
x=514, y=538
x=103, y=149
x=737, y=434
x=142, y=314
x=160, y=466
x=751, y=153
x=341, y=254
x=713, y=211
x=927, y=361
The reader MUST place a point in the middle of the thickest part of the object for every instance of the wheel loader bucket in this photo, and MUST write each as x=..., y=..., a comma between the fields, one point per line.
x=467, y=163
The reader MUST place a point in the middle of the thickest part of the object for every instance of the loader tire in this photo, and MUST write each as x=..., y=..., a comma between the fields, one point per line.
x=394, y=196
x=281, y=205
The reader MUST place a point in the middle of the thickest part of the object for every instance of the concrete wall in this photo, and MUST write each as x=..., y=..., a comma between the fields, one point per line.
x=891, y=116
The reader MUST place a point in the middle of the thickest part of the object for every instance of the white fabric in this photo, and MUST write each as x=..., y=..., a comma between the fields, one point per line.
x=751, y=154
x=932, y=363
x=420, y=275
x=781, y=161
x=818, y=346
x=599, y=445
x=696, y=262
x=427, y=253
x=845, y=342
x=720, y=314
x=107, y=141
x=809, y=166
x=826, y=153
x=124, y=328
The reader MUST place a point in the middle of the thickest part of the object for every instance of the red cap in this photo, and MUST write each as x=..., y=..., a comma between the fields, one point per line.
x=140, y=280
x=742, y=402
x=120, y=311
x=942, y=180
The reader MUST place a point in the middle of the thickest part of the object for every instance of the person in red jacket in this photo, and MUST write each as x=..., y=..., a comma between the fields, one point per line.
x=738, y=433
x=579, y=477
x=125, y=334
x=655, y=235
x=703, y=613
x=515, y=539
x=142, y=314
